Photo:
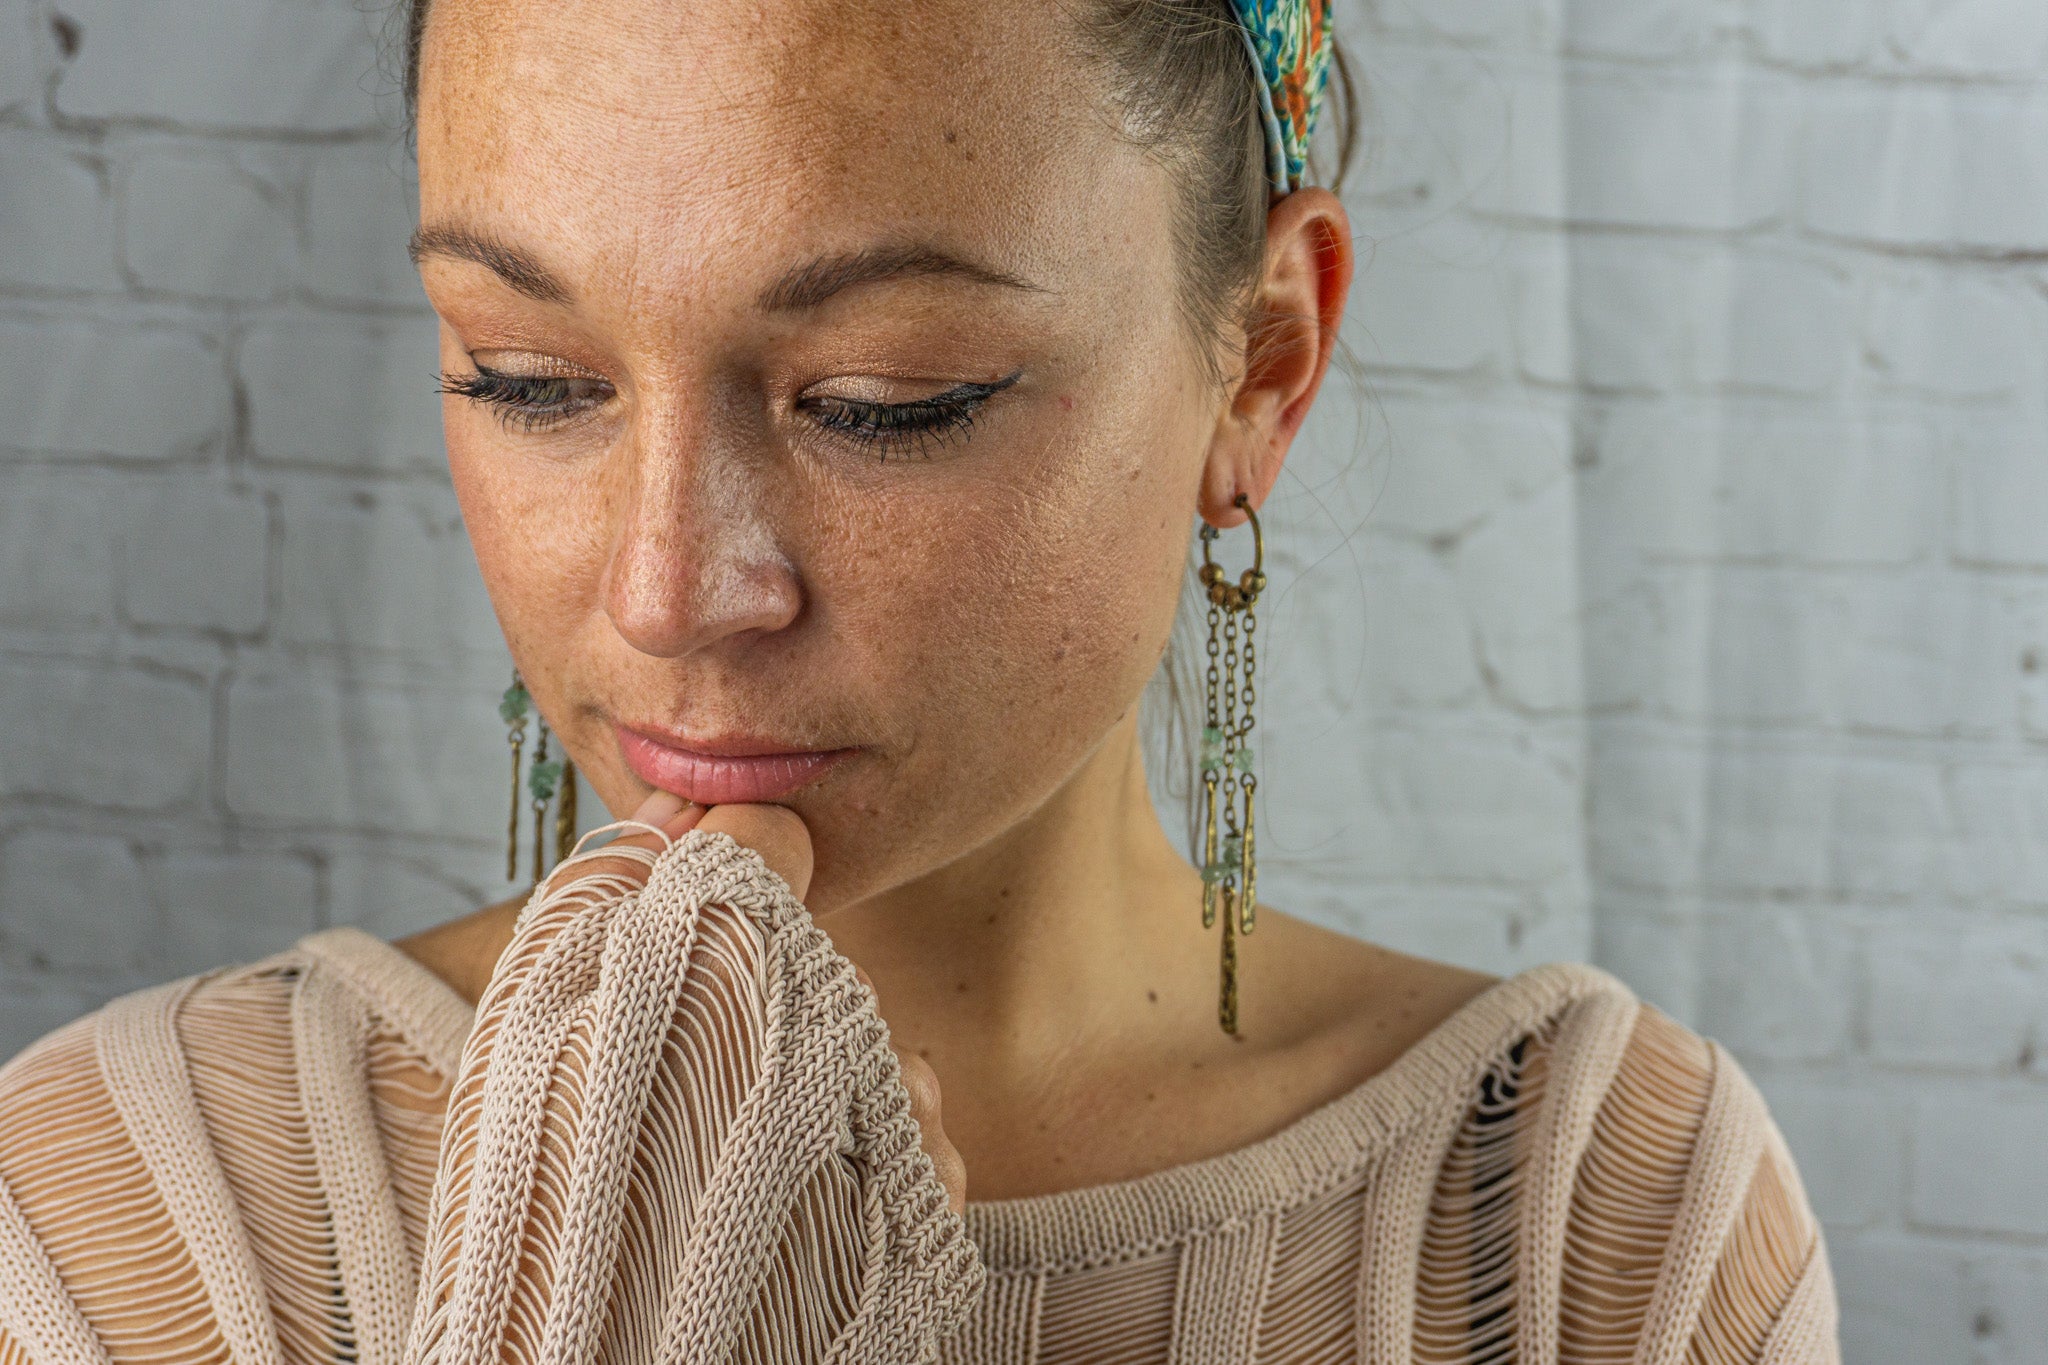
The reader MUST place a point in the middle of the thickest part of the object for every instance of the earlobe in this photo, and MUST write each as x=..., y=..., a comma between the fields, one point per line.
x=1304, y=283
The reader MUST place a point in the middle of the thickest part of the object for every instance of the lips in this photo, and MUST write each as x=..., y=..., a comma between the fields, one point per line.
x=740, y=771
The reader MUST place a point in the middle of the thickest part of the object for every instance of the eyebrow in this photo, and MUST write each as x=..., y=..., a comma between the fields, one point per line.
x=515, y=267
x=815, y=281
x=803, y=286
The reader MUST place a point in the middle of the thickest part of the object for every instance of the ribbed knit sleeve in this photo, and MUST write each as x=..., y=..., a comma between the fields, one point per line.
x=675, y=1132
x=678, y=1134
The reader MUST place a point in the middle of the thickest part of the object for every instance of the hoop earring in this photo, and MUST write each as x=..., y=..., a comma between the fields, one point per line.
x=544, y=779
x=1229, y=863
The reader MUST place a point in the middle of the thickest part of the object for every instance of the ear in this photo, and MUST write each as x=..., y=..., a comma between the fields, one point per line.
x=1293, y=332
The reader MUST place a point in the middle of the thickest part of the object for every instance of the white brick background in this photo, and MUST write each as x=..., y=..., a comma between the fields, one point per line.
x=1667, y=586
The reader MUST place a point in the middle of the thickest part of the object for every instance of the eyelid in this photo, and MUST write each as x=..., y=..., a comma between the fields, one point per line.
x=915, y=424
x=896, y=391
x=545, y=366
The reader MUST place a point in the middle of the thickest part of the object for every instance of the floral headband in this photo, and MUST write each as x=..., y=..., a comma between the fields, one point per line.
x=1290, y=46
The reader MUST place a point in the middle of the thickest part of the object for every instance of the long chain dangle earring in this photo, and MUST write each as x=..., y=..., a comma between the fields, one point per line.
x=547, y=777
x=1229, y=867
x=541, y=780
x=512, y=709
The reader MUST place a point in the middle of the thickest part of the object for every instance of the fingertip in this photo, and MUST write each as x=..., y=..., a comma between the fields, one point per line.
x=684, y=820
x=658, y=809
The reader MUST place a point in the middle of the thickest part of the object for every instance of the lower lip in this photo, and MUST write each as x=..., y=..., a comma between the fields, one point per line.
x=718, y=780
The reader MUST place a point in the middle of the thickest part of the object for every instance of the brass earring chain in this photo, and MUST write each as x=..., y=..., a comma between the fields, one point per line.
x=512, y=708
x=545, y=779
x=1229, y=786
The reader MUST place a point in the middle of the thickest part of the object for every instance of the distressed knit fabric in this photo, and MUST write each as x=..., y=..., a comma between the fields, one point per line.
x=252, y=1166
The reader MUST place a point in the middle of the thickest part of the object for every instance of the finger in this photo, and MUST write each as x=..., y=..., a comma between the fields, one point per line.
x=777, y=833
x=922, y=1084
x=666, y=812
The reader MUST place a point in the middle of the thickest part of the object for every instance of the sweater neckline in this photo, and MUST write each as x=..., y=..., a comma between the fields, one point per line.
x=1100, y=1224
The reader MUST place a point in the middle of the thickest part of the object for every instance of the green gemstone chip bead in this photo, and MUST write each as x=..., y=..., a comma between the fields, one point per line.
x=541, y=780
x=512, y=706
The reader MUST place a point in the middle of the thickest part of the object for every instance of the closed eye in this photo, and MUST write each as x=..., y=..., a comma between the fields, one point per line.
x=917, y=426
x=526, y=401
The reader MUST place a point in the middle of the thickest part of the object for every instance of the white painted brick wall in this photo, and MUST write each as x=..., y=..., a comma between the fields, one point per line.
x=1667, y=583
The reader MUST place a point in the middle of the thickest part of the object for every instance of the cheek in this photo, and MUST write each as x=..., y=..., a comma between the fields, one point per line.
x=1019, y=622
x=537, y=531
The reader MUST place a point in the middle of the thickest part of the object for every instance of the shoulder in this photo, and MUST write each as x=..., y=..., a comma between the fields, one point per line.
x=110, y=1164
x=1358, y=1004
x=1682, y=1156
x=173, y=1135
x=1674, y=1216
x=102, y=1046
x=1655, y=1206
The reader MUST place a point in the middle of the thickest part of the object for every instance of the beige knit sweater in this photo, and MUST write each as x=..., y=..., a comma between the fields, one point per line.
x=673, y=1131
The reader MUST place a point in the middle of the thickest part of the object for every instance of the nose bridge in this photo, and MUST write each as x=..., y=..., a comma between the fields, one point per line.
x=695, y=556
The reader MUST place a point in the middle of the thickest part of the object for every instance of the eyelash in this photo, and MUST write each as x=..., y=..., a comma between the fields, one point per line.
x=534, y=403
x=527, y=402
x=904, y=428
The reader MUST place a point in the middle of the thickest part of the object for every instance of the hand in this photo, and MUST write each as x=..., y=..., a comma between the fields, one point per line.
x=780, y=837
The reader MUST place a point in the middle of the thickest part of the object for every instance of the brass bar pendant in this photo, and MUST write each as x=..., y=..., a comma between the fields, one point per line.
x=536, y=780
x=1247, y=905
x=512, y=820
x=565, y=812
x=1226, y=1004
x=1209, y=885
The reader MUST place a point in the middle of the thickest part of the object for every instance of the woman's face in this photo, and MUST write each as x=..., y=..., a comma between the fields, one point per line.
x=822, y=393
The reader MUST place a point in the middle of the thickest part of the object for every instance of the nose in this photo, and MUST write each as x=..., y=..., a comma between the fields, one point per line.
x=695, y=558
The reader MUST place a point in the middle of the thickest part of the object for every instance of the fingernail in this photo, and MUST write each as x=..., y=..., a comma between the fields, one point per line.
x=684, y=820
x=657, y=809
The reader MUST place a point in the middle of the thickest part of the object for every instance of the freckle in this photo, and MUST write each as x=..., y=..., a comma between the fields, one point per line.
x=924, y=1052
x=961, y=987
x=1005, y=894
x=1153, y=996
x=1151, y=1098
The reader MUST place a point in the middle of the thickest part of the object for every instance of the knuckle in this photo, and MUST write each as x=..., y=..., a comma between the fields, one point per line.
x=952, y=1173
x=923, y=1085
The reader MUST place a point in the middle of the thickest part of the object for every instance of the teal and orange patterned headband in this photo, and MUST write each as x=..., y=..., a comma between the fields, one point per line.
x=1290, y=46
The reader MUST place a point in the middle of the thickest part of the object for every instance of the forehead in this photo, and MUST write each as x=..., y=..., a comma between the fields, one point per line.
x=636, y=126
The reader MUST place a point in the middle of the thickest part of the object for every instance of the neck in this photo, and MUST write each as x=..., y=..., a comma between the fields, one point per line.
x=1079, y=922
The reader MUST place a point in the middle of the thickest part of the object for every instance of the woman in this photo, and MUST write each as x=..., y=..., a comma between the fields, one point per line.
x=830, y=388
